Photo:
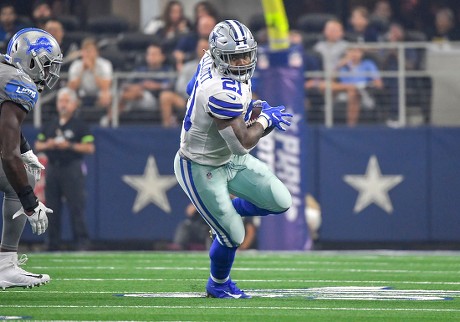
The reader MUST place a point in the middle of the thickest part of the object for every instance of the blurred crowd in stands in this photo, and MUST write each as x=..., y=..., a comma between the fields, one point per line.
x=157, y=60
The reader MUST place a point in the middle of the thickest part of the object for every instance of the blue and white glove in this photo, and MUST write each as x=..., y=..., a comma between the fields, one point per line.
x=38, y=219
x=32, y=164
x=275, y=116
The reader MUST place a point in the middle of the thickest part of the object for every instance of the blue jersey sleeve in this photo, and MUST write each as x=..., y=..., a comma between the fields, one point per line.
x=22, y=93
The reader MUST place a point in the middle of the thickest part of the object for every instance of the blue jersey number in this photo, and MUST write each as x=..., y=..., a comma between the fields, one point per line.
x=231, y=84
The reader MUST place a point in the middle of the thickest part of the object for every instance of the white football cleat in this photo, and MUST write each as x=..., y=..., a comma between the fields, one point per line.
x=11, y=275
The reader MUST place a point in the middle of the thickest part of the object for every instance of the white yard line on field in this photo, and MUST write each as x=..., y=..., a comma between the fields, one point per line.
x=386, y=282
x=278, y=269
x=208, y=307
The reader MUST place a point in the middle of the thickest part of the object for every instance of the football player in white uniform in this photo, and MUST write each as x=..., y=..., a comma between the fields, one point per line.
x=214, y=161
x=33, y=60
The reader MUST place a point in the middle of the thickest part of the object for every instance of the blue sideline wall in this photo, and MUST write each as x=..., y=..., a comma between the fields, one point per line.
x=373, y=184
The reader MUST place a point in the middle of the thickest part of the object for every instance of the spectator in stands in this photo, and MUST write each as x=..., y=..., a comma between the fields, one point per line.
x=9, y=23
x=354, y=88
x=171, y=100
x=389, y=56
x=185, y=49
x=363, y=74
x=444, y=27
x=205, y=8
x=143, y=93
x=389, y=61
x=382, y=11
x=91, y=76
x=359, y=29
x=69, y=49
x=170, y=26
x=411, y=14
x=41, y=12
x=333, y=46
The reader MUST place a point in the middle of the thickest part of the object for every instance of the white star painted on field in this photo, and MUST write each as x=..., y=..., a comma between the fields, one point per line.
x=373, y=187
x=151, y=187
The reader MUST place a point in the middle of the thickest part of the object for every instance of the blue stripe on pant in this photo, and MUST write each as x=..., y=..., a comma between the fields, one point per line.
x=185, y=178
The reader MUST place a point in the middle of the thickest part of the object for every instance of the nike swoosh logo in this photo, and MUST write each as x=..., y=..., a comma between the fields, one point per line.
x=32, y=275
x=235, y=296
x=233, y=97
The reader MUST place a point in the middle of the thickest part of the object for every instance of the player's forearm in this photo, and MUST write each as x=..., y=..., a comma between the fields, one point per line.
x=252, y=135
x=15, y=171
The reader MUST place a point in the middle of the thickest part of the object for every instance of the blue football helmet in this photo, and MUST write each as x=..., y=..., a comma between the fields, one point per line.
x=230, y=40
x=38, y=54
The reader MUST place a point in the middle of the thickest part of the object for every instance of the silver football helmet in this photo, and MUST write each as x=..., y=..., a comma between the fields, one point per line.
x=229, y=42
x=38, y=54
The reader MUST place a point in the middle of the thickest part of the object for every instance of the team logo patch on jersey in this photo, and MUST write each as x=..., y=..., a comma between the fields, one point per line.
x=209, y=175
x=27, y=91
x=41, y=43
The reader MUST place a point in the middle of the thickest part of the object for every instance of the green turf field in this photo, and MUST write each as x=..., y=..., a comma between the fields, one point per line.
x=311, y=286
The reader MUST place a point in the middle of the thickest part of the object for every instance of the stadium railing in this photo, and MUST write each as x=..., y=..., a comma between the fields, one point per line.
x=420, y=86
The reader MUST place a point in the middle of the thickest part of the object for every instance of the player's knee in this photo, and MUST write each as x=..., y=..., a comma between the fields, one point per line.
x=282, y=196
x=237, y=237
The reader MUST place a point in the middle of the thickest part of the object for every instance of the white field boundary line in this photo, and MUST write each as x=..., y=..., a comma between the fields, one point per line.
x=280, y=269
x=206, y=307
x=323, y=290
x=247, y=262
x=258, y=281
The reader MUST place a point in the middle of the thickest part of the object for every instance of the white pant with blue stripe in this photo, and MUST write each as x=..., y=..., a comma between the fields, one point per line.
x=209, y=189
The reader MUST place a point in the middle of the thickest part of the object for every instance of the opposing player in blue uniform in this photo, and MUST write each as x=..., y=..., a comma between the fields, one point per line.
x=214, y=161
x=33, y=60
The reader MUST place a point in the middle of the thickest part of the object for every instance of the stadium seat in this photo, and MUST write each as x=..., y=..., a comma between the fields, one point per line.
x=70, y=23
x=257, y=23
x=134, y=41
x=313, y=22
x=107, y=25
x=76, y=36
x=117, y=57
x=309, y=39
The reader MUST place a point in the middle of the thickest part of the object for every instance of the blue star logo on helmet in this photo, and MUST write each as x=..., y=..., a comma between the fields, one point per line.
x=214, y=37
x=40, y=43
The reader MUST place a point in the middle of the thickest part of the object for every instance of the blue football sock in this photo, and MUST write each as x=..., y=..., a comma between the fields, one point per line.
x=247, y=209
x=221, y=260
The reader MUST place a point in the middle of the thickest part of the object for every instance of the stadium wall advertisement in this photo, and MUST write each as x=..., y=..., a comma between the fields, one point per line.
x=373, y=184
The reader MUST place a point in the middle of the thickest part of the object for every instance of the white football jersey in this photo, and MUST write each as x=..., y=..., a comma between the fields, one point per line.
x=212, y=96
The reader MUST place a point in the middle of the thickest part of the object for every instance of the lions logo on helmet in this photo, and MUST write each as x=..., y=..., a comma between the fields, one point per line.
x=37, y=54
x=231, y=40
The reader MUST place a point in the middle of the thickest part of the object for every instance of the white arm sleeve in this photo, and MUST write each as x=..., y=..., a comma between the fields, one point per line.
x=233, y=143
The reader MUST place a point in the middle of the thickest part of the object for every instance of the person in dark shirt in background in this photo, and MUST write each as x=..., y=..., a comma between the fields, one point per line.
x=65, y=140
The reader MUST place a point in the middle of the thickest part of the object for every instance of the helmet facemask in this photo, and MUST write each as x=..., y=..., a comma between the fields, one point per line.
x=225, y=61
x=49, y=69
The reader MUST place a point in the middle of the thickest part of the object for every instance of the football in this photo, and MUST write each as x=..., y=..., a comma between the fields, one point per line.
x=254, y=115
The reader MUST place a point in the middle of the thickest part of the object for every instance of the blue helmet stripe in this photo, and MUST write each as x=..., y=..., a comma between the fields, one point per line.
x=235, y=33
x=241, y=29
